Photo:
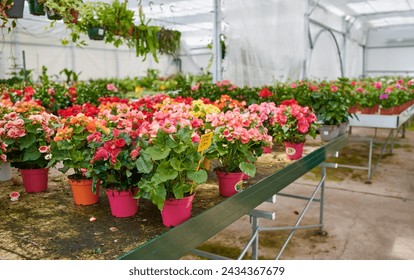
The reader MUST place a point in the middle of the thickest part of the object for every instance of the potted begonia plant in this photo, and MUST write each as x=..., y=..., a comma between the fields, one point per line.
x=291, y=124
x=26, y=133
x=239, y=137
x=70, y=147
x=170, y=162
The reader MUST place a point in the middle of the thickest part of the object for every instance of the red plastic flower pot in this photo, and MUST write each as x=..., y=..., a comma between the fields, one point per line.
x=122, y=203
x=228, y=182
x=177, y=211
x=294, y=150
x=35, y=180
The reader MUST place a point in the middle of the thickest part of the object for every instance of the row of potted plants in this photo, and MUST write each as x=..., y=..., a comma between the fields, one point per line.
x=149, y=148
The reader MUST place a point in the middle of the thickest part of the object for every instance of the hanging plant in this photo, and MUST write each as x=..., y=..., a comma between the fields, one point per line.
x=4, y=6
x=10, y=9
x=66, y=9
x=145, y=37
x=169, y=41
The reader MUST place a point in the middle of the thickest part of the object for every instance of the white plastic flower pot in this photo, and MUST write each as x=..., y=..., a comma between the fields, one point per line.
x=5, y=172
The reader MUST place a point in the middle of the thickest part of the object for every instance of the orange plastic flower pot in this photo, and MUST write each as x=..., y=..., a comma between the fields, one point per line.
x=82, y=191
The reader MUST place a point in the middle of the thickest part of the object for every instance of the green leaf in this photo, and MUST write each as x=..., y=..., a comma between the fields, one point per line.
x=158, y=153
x=199, y=176
x=27, y=141
x=158, y=195
x=144, y=164
x=170, y=143
x=31, y=154
x=177, y=164
x=165, y=172
x=248, y=168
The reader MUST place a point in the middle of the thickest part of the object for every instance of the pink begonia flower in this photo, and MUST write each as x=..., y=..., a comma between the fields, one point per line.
x=293, y=85
x=44, y=149
x=195, y=138
x=383, y=96
x=3, y=157
x=94, y=137
x=111, y=87
x=400, y=81
x=334, y=88
x=169, y=129
x=101, y=154
x=361, y=90
x=135, y=153
x=195, y=87
x=388, y=90
x=313, y=88
x=378, y=85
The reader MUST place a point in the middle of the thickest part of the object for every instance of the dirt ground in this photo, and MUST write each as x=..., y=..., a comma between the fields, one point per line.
x=50, y=226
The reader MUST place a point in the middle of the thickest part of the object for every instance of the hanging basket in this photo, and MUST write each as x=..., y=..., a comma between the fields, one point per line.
x=52, y=15
x=35, y=8
x=96, y=33
x=16, y=11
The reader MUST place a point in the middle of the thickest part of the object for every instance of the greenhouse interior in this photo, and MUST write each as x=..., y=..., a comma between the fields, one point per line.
x=207, y=129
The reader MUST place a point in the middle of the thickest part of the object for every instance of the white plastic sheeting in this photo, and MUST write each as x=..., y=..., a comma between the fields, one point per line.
x=390, y=51
x=265, y=41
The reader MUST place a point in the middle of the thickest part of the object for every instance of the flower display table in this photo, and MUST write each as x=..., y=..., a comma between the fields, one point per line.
x=394, y=123
x=172, y=245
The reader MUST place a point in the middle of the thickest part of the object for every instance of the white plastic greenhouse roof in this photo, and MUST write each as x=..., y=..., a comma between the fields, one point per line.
x=194, y=18
x=375, y=13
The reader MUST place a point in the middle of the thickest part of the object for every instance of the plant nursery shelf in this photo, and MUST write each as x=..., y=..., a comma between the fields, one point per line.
x=382, y=121
x=393, y=123
x=179, y=241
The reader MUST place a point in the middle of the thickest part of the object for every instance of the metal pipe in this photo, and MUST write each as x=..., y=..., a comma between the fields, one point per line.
x=24, y=67
x=216, y=42
x=288, y=227
x=301, y=217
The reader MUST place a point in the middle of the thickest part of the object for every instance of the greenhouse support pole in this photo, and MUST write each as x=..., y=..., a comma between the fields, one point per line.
x=306, y=43
x=73, y=57
x=216, y=42
x=24, y=67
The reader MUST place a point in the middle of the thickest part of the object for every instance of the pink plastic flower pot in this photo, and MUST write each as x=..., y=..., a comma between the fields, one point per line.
x=122, y=203
x=177, y=211
x=35, y=180
x=294, y=150
x=228, y=182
